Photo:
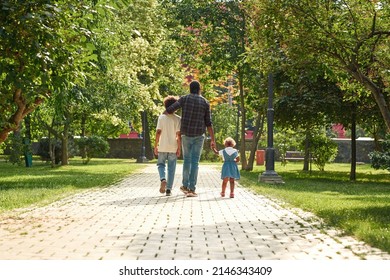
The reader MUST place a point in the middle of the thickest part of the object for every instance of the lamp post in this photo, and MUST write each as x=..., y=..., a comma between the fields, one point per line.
x=270, y=175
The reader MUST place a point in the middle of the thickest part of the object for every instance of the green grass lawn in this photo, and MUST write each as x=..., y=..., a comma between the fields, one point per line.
x=360, y=208
x=40, y=184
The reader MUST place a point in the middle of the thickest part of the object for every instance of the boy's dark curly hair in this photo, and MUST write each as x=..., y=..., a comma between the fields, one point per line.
x=169, y=100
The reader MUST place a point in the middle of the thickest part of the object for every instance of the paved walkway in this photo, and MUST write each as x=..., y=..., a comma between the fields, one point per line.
x=133, y=221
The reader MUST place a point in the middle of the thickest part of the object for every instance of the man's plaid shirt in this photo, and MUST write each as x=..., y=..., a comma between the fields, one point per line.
x=196, y=114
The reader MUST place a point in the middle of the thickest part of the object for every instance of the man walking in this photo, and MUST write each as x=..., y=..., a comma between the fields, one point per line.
x=195, y=119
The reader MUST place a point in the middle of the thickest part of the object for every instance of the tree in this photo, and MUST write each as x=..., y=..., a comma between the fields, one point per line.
x=44, y=46
x=145, y=60
x=351, y=37
x=306, y=101
x=58, y=115
x=106, y=62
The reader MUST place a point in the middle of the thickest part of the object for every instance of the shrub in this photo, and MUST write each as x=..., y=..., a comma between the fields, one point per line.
x=44, y=149
x=381, y=159
x=93, y=146
x=286, y=140
x=209, y=155
x=323, y=150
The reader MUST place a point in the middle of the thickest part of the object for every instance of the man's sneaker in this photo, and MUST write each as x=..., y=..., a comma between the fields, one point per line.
x=162, y=186
x=185, y=190
x=191, y=194
x=168, y=192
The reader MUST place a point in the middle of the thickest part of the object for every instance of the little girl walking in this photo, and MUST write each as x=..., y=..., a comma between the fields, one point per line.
x=229, y=171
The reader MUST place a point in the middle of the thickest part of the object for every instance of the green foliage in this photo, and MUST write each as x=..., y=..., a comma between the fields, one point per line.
x=2, y=148
x=224, y=122
x=381, y=159
x=145, y=60
x=93, y=146
x=313, y=99
x=322, y=149
x=212, y=35
x=83, y=58
x=214, y=41
x=208, y=155
x=350, y=39
x=44, y=46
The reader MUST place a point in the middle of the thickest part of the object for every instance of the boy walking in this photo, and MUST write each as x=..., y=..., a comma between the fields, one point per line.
x=167, y=146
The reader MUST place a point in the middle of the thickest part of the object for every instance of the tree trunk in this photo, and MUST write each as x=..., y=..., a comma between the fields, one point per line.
x=4, y=134
x=148, y=144
x=64, y=150
x=259, y=129
x=65, y=140
x=64, y=137
x=376, y=91
x=306, y=161
x=52, y=148
x=23, y=109
x=83, y=151
x=352, y=175
x=243, y=123
x=27, y=123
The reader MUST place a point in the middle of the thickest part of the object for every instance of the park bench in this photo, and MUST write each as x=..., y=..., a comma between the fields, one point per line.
x=294, y=155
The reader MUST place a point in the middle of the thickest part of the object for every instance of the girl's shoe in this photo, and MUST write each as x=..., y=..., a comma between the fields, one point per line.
x=222, y=194
x=232, y=195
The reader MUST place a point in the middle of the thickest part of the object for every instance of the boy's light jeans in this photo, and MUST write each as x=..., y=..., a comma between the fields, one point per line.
x=171, y=159
x=192, y=149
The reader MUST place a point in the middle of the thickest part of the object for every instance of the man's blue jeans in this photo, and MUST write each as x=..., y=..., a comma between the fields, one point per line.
x=192, y=149
x=163, y=158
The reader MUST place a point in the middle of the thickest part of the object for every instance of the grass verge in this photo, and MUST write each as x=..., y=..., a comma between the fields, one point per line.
x=41, y=184
x=360, y=208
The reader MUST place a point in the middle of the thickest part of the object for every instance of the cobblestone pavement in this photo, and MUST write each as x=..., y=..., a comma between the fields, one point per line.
x=131, y=220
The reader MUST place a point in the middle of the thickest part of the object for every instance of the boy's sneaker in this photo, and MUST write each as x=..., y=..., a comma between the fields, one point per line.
x=168, y=192
x=162, y=186
x=191, y=194
x=185, y=190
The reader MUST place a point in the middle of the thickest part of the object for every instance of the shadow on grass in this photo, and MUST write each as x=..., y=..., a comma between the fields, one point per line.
x=360, y=208
x=76, y=175
x=378, y=215
x=370, y=224
x=330, y=181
